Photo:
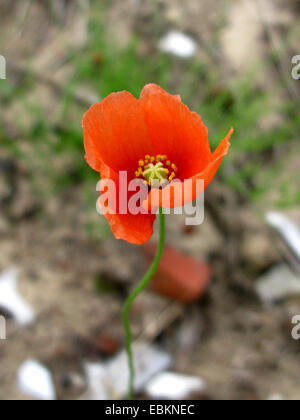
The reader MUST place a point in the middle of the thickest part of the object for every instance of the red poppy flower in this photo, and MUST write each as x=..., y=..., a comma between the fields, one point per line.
x=155, y=137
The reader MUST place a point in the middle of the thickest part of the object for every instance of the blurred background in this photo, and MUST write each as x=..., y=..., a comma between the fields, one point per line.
x=219, y=316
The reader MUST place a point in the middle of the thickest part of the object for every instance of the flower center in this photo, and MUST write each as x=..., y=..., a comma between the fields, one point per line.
x=156, y=170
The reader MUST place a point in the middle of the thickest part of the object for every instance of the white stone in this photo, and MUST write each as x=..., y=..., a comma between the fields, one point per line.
x=12, y=301
x=110, y=380
x=279, y=283
x=174, y=386
x=179, y=44
x=95, y=376
x=287, y=229
x=275, y=397
x=36, y=381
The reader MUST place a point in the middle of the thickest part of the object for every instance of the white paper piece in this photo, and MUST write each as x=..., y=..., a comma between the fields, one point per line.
x=12, y=301
x=174, y=386
x=179, y=44
x=287, y=229
x=36, y=381
x=279, y=283
x=110, y=380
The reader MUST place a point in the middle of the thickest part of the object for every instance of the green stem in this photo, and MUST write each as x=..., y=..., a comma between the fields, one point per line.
x=127, y=306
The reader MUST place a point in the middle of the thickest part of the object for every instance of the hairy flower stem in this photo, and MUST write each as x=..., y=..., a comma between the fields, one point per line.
x=127, y=306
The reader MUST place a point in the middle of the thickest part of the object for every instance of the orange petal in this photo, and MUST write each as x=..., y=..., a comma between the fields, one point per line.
x=178, y=194
x=175, y=131
x=91, y=155
x=115, y=132
x=136, y=229
x=210, y=171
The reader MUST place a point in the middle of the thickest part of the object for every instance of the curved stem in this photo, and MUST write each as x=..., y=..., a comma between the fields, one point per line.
x=127, y=306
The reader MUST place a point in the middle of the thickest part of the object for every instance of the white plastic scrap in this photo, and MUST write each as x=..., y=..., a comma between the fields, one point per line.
x=110, y=380
x=287, y=229
x=179, y=44
x=12, y=301
x=36, y=381
x=174, y=386
x=279, y=283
